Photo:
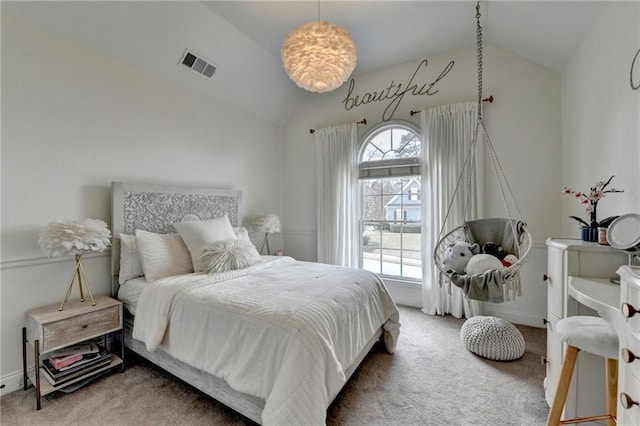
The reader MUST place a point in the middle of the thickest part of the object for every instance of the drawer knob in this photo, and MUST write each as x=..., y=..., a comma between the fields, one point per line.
x=545, y=321
x=543, y=360
x=627, y=401
x=628, y=356
x=545, y=277
x=628, y=310
x=85, y=325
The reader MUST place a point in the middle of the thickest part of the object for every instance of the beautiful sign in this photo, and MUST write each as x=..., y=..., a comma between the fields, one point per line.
x=634, y=75
x=395, y=92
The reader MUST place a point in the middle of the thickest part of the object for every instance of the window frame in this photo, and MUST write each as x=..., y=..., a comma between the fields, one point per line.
x=408, y=167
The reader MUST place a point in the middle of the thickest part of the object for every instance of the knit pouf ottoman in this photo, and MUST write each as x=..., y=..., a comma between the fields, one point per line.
x=492, y=338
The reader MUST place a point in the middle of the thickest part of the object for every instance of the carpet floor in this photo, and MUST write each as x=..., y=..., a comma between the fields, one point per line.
x=430, y=380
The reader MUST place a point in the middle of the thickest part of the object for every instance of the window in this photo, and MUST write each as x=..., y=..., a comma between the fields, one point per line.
x=389, y=167
x=413, y=194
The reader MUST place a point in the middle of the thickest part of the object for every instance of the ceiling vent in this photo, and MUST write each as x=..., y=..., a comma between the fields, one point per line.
x=197, y=63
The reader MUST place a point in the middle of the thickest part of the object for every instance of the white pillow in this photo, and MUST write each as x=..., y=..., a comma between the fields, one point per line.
x=162, y=255
x=130, y=266
x=200, y=235
x=242, y=234
x=227, y=255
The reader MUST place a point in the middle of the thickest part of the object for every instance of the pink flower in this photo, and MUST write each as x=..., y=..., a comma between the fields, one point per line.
x=590, y=201
x=597, y=195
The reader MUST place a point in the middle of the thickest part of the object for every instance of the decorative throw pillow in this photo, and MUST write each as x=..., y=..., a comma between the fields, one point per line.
x=229, y=255
x=162, y=255
x=201, y=234
x=130, y=266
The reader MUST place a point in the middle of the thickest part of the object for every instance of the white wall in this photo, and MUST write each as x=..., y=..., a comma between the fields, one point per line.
x=524, y=124
x=601, y=115
x=73, y=121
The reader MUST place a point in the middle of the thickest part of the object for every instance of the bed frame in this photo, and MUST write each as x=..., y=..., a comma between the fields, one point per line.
x=154, y=208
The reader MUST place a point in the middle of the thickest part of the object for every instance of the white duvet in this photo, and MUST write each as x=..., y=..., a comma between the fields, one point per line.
x=282, y=330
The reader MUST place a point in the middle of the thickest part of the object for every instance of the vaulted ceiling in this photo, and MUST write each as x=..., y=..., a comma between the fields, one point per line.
x=243, y=38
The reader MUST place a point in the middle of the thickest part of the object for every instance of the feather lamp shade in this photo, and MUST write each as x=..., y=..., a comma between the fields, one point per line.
x=60, y=237
x=319, y=56
x=70, y=237
x=268, y=224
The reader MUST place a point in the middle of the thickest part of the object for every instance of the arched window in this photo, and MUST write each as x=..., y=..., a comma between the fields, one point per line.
x=390, y=186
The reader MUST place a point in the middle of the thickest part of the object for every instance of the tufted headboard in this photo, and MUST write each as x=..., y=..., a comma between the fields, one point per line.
x=155, y=208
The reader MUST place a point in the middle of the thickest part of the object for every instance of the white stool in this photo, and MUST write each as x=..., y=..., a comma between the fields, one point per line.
x=594, y=335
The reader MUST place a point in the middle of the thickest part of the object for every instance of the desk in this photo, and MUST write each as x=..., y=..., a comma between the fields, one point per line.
x=575, y=258
x=601, y=295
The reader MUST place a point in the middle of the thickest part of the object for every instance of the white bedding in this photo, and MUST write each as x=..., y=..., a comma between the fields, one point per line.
x=281, y=330
x=129, y=293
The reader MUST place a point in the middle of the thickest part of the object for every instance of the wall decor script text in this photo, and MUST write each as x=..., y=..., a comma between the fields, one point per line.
x=395, y=92
x=635, y=68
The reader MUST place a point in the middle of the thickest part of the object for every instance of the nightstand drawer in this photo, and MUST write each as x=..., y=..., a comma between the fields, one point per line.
x=77, y=322
x=81, y=327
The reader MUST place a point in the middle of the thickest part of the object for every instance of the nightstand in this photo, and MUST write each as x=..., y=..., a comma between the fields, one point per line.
x=49, y=329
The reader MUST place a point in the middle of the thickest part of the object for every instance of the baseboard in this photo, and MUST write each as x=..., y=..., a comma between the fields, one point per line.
x=406, y=294
x=524, y=318
x=411, y=295
x=11, y=382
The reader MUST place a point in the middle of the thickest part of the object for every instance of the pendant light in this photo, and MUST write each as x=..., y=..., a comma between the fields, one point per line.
x=318, y=56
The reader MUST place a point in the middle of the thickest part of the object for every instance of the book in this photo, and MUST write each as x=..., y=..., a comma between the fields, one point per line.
x=86, y=361
x=74, y=375
x=77, y=385
x=79, y=348
x=63, y=361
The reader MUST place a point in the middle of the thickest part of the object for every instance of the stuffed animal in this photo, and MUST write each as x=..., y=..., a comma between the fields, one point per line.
x=457, y=255
x=494, y=250
x=480, y=263
x=509, y=260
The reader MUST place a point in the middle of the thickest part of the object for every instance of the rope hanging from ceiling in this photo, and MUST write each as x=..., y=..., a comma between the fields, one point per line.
x=493, y=285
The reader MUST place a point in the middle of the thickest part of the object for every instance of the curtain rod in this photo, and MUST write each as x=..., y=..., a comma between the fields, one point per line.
x=363, y=121
x=489, y=99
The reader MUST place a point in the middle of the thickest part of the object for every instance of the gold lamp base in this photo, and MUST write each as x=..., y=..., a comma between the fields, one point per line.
x=265, y=243
x=78, y=274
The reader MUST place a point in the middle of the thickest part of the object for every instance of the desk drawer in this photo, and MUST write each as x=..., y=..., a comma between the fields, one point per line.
x=555, y=283
x=81, y=327
x=554, y=358
x=633, y=299
x=630, y=354
x=631, y=415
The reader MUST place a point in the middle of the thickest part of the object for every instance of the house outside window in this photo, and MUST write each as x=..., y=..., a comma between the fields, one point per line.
x=390, y=184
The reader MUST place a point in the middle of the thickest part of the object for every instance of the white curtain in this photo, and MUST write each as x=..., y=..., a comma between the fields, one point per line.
x=337, y=202
x=448, y=131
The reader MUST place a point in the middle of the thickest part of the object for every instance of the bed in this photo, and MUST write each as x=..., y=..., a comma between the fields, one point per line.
x=276, y=340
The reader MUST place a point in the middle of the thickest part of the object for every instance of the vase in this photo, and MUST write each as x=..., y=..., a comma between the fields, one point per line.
x=590, y=234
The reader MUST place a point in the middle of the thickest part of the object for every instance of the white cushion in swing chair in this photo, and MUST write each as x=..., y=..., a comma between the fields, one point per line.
x=492, y=338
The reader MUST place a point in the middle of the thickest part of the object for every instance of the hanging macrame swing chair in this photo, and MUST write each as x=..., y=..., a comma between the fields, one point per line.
x=494, y=285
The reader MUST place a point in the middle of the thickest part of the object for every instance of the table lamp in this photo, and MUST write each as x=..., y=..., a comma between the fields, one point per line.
x=268, y=224
x=69, y=237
